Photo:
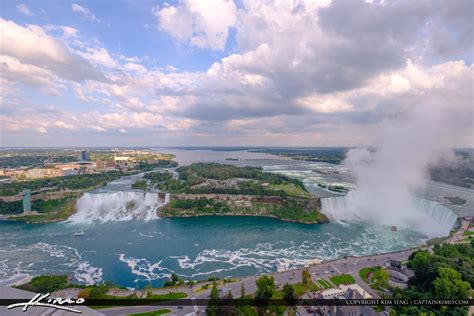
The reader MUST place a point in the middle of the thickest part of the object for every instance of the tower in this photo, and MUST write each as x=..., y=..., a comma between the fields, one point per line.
x=85, y=155
x=26, y=200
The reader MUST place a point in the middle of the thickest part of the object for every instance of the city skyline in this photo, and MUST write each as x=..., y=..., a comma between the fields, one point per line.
x=234, y=73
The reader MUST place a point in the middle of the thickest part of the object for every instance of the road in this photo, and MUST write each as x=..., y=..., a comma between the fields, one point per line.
x=324, y=270
x=349, y=265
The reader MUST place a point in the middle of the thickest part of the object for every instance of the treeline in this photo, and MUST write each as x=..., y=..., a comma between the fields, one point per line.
x=41, y=206
x=188, y=179
x=201, y=205
x=447, y=273
x=17, y=161
x=166, y=182
x=139, y=185
x=329, y=155
x=15, y=207
x=73, y=182
x=244, y=188
x=290, y=208
x=145, y=166
x=197, y=173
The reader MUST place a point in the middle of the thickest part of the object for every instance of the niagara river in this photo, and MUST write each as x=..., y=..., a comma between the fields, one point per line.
x=127, y=244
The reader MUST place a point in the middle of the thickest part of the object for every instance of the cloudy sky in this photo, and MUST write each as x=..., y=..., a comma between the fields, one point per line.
x=230, y=72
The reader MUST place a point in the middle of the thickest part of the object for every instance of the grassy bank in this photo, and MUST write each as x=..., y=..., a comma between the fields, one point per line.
x=47, y=211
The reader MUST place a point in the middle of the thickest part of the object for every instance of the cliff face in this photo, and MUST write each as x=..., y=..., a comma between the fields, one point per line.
x=296, y=209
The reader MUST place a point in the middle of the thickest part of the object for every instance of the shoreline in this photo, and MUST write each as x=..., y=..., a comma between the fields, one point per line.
x=313, y=262
x=251, y=215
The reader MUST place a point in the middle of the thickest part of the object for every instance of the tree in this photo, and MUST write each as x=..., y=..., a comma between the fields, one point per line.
x=305, y=277
x=229, y=309
x=450, y=286
x=265, y=289
x=242, y=295
x=289, y=294
x=174, y=278
x=381, y=277
x=212, y=307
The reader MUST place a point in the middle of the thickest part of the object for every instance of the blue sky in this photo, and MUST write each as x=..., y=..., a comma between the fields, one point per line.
x=223, y=72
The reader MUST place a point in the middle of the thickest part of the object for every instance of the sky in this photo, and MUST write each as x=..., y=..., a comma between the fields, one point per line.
x=232, y=72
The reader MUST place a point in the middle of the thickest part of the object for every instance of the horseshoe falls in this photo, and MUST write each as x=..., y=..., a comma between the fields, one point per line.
x=427, y=217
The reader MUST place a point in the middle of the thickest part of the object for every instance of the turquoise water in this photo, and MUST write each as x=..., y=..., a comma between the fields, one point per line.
x=134, y=253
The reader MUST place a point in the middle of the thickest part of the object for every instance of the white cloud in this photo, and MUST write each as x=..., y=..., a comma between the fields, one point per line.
x=24, y=9
x=14, y=71
x=295, y=71
x=203, y=24
x=32, y=45
x=325, y=104
x=42, y=130
x=99, y=56
x=85, y=12
x=69, y=31
x=135, y=67
x=63, y=125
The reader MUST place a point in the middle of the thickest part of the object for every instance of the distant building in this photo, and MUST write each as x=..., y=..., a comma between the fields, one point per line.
x=331, y=293
x=125, y=164
x=70, y=172
x=85, y=155
x=51, y=172
x=121, y=158
x=399, y=274
x=110, y=165
x=100, y=165
x=26, y=200
x=355, y=291
x=395, y=265
x=68, y=166
x=36, y=173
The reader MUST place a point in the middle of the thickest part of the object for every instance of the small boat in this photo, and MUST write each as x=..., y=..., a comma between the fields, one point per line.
x=394, y=228
x=79, y=233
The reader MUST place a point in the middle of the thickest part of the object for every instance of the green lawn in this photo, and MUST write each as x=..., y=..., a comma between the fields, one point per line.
x=364, y=273
x=324, y=283
x=300, y=289
x=343, y=279
x=153, y=313
x=291, y=189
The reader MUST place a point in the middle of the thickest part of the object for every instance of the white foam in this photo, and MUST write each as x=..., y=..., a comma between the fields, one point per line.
x=267, y=257
x=117, y=206
x=66, y=260
x=428, y=217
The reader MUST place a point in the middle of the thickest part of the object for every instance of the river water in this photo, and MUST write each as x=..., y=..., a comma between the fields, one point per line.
x=134, y=251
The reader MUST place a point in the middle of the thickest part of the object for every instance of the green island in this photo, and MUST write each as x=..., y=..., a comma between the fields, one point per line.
x=206, y=189
x=200, y=189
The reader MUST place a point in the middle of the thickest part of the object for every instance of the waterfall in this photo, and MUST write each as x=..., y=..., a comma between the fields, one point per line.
x=427, y=217
x=117, y=206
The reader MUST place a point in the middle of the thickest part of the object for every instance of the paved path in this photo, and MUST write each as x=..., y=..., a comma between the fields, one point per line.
x=349, y=265
x=324, y=270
